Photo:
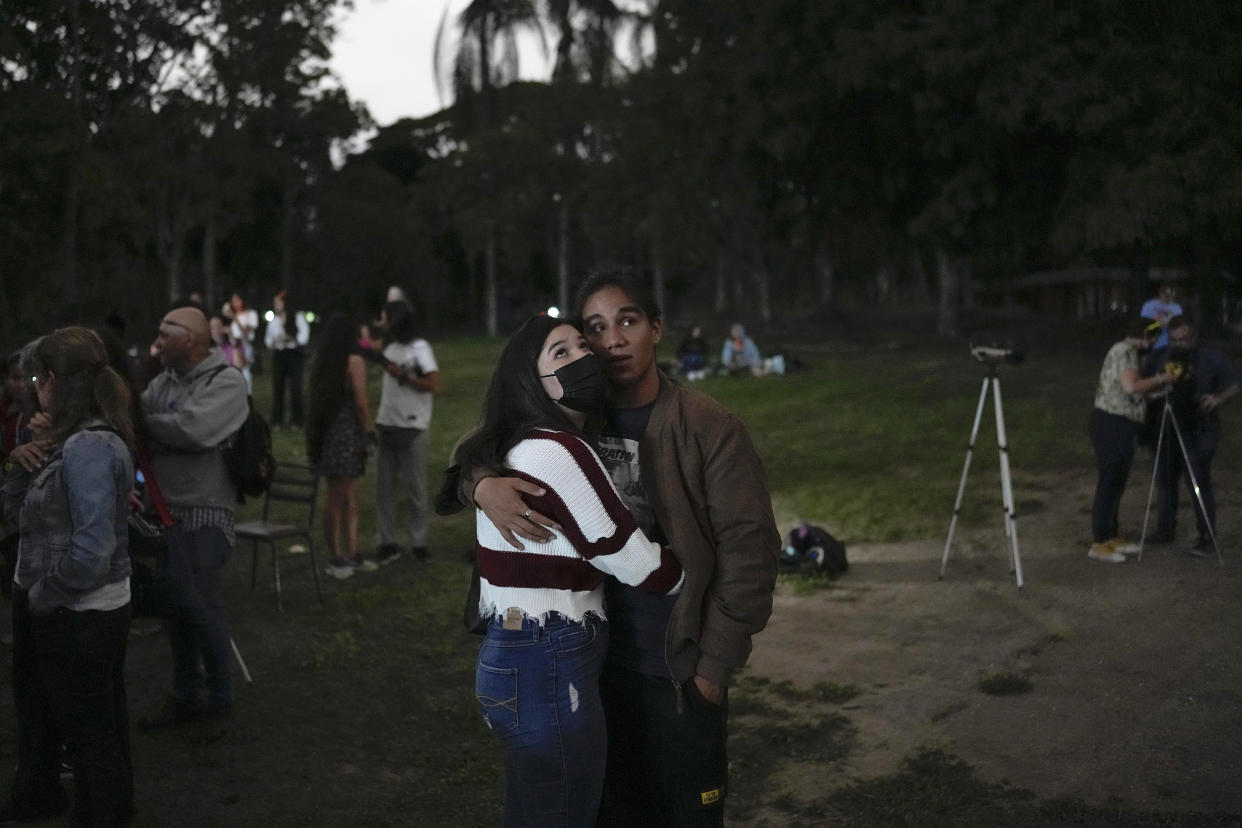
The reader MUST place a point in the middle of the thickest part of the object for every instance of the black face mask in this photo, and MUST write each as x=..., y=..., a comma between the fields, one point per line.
x=583, y=383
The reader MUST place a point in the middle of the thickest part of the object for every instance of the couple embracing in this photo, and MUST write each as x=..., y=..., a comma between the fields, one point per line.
x=627, y=554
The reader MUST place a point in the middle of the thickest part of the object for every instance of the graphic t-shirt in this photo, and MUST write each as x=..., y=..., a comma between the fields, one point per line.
x=1109, y=395
x=400, y=405
x=637, y=621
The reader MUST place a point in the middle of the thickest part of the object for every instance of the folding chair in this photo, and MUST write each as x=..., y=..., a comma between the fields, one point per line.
x=293, y=484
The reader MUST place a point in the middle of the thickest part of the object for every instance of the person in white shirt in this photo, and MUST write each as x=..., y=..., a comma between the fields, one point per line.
x=286, y=336
x=411, y=379
x=244, y=321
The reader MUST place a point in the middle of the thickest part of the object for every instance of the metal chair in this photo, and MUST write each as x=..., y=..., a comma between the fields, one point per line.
x=292, y=484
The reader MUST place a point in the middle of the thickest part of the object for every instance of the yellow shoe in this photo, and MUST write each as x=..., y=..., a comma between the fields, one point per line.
x=1125, y=547
x=1104, y=552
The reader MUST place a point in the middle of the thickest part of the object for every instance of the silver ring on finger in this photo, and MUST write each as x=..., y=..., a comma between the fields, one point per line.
x=526, y=514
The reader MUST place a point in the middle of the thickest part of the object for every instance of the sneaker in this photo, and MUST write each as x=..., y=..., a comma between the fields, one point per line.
x=420, y=553
x=340, y=568
x=362, y=564
x=387, y=553
x=1104, y=552
x=174, y=713
x=1125, y=547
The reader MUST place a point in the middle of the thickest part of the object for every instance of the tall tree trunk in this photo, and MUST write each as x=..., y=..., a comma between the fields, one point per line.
x=209, y=259
x=949, y=319
x=657, y=278
x=826, y=279
x=562, y=258
x=489, y=276
x=920, y=277
x=287, y=214
x=763, y=288
x=69, y=240
x=1140, y=271
x=722, y=283
x=883, y=284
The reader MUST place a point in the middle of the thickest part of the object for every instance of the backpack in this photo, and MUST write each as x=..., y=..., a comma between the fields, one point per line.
x=248, y=453
x=812, y=549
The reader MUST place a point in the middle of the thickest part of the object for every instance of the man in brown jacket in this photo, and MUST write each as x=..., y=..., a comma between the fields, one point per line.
x=688, y=471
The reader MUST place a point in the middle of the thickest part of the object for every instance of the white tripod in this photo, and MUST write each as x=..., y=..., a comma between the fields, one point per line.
x=1011, y=517
x=1166, y=419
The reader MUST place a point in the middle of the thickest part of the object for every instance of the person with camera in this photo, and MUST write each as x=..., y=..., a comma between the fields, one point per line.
x=1204, y=380
x=1119, y=411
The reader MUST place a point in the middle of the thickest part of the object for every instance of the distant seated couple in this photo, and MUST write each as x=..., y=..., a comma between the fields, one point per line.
x=621, y=593
x=740, y=356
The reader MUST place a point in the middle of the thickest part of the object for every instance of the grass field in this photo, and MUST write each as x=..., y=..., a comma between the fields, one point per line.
x=362, y=709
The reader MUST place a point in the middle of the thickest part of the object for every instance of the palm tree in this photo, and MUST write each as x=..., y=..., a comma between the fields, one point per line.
x=485, y=56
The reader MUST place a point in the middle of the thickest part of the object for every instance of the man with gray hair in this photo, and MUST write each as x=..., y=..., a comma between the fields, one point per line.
x=192, y=409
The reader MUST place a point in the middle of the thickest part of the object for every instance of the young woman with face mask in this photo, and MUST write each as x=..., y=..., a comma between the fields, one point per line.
x=538, y=672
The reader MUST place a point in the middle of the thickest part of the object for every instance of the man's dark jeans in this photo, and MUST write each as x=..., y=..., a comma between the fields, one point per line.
x=1200, y=448
x=287, y=375
x=199, y=630
x=667, y=763
x=69, y=689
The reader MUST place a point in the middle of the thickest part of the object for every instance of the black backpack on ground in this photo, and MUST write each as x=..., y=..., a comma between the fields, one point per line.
x=248, y=453
x=811, y=549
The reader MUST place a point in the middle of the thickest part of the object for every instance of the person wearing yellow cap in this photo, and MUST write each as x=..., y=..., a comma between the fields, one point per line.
x=192, y=408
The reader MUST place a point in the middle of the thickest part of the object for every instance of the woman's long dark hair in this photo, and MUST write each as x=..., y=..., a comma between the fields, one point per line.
x=86, y=385
x=327, y=378
x=516, y=401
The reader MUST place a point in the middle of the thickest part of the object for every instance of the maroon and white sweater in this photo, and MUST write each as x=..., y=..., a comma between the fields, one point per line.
x=598, y=537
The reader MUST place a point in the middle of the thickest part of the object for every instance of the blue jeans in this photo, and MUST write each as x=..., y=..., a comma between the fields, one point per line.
x=198, y=630
x=538, y=689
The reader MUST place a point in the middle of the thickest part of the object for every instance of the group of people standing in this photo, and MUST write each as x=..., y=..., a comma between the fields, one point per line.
x=87, y=437
x=627, y=550
x=1158, y=362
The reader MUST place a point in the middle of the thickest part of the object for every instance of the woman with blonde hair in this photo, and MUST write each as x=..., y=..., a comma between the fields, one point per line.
x=71, y=606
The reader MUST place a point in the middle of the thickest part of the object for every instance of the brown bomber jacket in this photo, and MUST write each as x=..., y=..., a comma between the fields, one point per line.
x=709, y=491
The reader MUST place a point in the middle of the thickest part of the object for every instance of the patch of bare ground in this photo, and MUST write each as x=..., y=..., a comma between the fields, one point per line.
x=1135, y=684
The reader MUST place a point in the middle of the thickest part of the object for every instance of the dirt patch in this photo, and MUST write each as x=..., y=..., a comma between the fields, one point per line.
x=1135, y=685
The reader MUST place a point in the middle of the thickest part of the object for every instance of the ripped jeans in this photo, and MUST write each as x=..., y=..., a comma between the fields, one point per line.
x=538, y=690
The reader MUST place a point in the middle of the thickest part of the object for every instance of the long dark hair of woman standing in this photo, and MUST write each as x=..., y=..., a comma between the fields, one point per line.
x=327, y=386
x=516, y=401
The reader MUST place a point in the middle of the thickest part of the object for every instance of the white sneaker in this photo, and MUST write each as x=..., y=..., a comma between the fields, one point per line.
x=1125, y=547
x=365, y=565
x=1104, y=552
x=340, y=569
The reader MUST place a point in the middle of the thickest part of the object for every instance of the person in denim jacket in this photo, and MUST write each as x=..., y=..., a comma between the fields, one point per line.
x=71, y=606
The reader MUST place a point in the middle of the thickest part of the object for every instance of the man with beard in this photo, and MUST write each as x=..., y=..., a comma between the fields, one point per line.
x=1206, y=379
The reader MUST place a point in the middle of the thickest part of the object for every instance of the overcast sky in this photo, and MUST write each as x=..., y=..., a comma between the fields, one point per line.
x=382, y=54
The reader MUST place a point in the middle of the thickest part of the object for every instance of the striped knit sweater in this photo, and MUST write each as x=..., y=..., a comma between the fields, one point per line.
x=598, y=537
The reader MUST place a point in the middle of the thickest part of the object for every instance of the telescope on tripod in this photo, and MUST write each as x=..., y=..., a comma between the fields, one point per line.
x=992, y=356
